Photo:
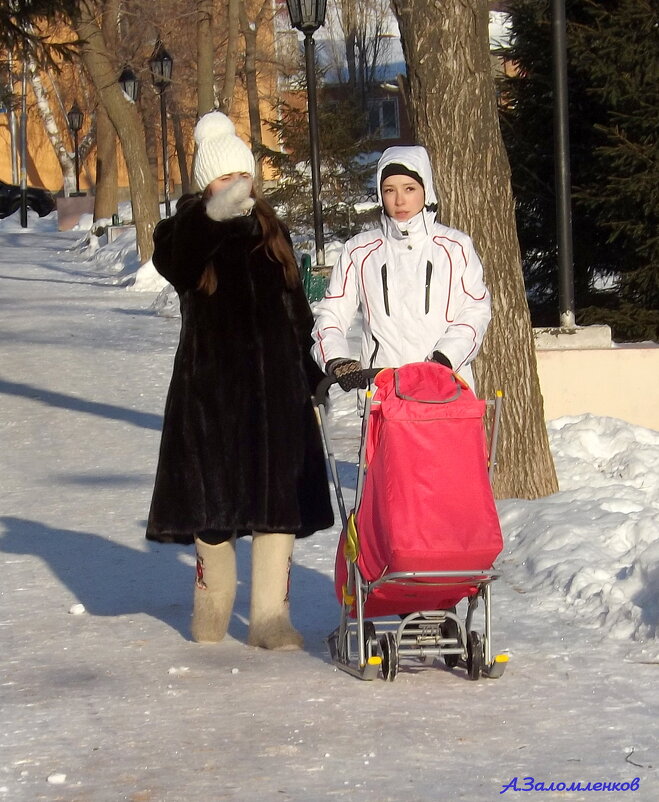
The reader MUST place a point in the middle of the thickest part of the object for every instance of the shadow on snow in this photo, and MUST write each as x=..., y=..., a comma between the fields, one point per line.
x=112, y=579
x=145, y=420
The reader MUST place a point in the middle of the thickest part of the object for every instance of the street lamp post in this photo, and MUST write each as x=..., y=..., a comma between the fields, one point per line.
x=307, y=16
x=562, y=168
x=24, y=144
x=160, y=65
x=11, y=118
x=75, y=118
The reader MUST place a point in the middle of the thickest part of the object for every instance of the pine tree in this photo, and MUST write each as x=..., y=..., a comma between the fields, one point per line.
x=613, y=64
x=625, y=35
x=24, y=27
x=345, y=174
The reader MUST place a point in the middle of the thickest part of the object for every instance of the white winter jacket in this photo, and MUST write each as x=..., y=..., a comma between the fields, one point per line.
x=419, y=285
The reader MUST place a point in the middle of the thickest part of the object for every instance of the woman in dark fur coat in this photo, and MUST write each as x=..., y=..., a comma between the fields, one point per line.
x=241, y=451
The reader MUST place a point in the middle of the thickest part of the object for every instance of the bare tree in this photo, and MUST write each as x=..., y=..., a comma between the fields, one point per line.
x=231, y=60
x=349, y=26
x=32, y=33
x=205, y=77
x=362, y=25
x=105, y=203
x=206, y=95
x=179, y=139
x=250, y=29
x=454, y=115
x=126, y=121
x=56, y=134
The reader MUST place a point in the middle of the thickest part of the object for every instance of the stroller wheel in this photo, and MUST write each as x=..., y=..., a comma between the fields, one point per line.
x=450, y=630
x=389, y=656
x=370, y=639
x=475, y=659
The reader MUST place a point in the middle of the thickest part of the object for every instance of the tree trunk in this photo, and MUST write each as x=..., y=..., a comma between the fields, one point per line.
x=250, y=33
x=179, y=141
x=205, y=78
x=231, y=62
x=453, y=110
x=64, y=157
x=149, y=112
x=349, y=38
x=128, y=125
x=105, y=203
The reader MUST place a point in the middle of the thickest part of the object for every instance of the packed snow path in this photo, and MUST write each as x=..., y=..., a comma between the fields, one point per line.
x=112, y=701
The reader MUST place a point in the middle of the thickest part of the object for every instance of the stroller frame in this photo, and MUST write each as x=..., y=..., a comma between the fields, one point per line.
x=364, y=648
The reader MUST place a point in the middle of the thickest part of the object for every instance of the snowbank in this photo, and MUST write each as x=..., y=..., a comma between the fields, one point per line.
x=592, y=550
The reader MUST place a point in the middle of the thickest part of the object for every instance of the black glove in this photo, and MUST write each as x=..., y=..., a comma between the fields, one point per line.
x=348, y=373
x=438, y=356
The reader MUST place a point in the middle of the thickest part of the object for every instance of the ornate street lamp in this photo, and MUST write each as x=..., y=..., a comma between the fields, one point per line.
x=129, y=83
x=307, y=16
x=160, y=65
x=75, y=118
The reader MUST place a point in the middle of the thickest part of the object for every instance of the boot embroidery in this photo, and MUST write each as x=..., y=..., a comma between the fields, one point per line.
x=288, y=581
x=200, y=574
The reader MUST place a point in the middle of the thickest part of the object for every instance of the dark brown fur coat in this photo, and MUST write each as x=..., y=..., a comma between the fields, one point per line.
x=240, y=447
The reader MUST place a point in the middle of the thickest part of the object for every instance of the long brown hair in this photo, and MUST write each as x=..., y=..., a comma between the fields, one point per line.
x=275, y=242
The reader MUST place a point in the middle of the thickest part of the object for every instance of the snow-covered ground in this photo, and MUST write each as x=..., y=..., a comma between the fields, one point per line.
x=105, y=697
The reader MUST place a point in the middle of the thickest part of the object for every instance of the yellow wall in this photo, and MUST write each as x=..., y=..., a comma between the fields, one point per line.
x=618, y=382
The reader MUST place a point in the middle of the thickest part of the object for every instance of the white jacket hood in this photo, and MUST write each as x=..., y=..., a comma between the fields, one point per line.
x=413, y=157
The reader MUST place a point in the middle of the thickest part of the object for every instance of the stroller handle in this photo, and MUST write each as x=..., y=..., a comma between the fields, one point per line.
x=320, y=396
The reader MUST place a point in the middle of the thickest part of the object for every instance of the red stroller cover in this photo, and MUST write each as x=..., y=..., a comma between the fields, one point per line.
x=427, y=502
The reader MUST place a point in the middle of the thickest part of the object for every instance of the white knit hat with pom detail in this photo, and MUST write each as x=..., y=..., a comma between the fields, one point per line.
x=219, y=150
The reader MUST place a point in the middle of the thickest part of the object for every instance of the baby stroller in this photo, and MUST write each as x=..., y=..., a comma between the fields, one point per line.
x=424, y=532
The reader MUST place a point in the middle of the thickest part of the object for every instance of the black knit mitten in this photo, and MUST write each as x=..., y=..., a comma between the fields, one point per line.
x=348, y=373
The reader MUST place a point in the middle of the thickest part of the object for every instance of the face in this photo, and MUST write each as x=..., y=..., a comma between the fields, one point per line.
x=218, y=184
x=402, y=196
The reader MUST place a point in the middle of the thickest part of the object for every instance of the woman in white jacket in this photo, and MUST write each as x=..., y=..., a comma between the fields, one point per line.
x=418, y=283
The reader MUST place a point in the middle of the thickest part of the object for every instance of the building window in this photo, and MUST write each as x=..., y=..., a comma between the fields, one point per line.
x=383, y=118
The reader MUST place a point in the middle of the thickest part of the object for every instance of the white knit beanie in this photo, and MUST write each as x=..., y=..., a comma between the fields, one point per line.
x=219, y=150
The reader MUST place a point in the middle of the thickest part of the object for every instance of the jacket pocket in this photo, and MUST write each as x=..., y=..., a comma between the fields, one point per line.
x=428, y=279
x=385, y=289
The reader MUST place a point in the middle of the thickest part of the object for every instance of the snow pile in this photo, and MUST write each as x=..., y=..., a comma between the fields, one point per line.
x=166, y=303
x=85, y=222
x=12, y=224
x=148, y=279
x=333, y=251
x=499, y=29
x=115, y=263
x=118, y=260
x=592, y=550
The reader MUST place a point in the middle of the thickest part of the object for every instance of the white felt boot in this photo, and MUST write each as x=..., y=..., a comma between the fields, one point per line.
x=269, y=619
x=215, y=590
